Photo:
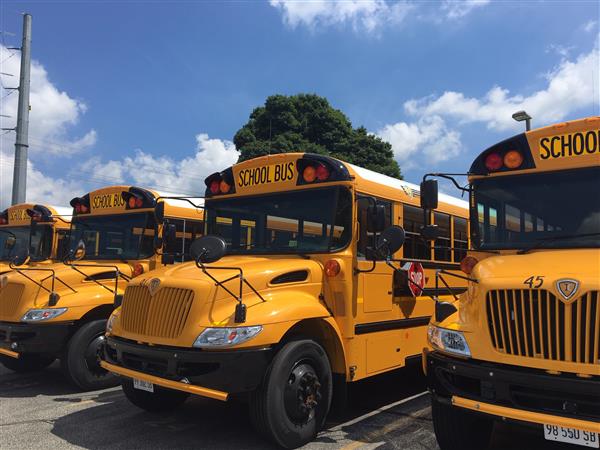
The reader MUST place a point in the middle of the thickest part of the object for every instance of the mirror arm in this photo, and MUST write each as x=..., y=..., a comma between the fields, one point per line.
x=450, y=176
x=441, y=278
x=442, y=271
x=373, y=265
x=118, y=275
x=185, y=199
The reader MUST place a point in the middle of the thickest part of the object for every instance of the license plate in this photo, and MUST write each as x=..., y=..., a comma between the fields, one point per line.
x=143, y=385
x=572, y=436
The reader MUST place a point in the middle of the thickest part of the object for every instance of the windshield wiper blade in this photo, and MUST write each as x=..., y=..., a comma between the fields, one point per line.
x=541, y=242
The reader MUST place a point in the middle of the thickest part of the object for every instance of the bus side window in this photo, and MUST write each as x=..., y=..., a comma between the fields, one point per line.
x=442, y=245
x=61, y=245
x=461, y=239
x=366, y=239
x=414, y=246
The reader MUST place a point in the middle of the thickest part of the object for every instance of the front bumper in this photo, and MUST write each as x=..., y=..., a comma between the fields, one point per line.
x=41, y=338
x=523, y=394
x=231, y=372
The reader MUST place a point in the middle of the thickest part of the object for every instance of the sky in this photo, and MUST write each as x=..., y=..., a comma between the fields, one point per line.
x=151, y=93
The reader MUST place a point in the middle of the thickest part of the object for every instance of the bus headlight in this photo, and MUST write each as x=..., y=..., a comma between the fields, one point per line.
x=110, y=322
x=38, y=315
x=218, y=337
x=448, y=341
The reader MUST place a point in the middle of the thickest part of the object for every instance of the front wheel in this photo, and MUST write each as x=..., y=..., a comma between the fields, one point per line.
x=160, y=400
x=81, y=362
x=26, y=363
x=457, y=429
x=291, y=405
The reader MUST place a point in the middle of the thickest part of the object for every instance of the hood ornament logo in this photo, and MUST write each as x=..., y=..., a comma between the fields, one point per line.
x=3, y=281
x=153, y=286
x=567, y=287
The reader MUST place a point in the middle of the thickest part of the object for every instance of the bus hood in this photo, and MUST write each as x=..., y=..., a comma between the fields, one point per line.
x=76, y=291
x=171, y=306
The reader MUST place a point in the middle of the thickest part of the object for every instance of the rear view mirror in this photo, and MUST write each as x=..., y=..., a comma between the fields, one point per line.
x=429, y=194
x=430, y=232
x=10, y=242
x=390, y=240
x=208, y=249
x=21, y=256
x=77, y=252
x=159, y=212
x=375, y=218
x=169, y=235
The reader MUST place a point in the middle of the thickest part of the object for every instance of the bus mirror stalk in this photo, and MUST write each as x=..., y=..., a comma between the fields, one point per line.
x=209, y=249
x=169, y=237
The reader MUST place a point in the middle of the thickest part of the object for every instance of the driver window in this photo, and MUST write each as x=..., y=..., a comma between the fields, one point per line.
x=366, y=238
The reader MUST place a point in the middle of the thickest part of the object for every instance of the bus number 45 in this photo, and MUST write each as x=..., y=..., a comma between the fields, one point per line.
x=534, y=281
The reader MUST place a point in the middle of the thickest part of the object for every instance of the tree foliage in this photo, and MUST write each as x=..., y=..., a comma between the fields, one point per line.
x=308, y=123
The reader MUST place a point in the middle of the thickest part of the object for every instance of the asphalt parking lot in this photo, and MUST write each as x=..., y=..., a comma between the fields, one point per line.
x=41, y=411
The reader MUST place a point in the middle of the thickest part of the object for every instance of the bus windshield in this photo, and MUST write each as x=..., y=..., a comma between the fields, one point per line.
x=307, y=221
x=118, y=236
x=40, y=244
x=560, y=209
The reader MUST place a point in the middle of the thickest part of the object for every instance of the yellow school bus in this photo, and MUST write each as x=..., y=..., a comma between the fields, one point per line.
x=523, y=344
x=303, y=302
x=59, y=310
x=41, y=227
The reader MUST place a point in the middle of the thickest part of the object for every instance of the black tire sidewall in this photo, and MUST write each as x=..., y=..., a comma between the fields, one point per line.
x=456, y=428
x=74, y=363
x=285, y=432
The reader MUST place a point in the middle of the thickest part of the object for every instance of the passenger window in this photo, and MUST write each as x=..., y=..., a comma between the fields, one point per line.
x=461, y=239
x=442, y=245
x=366, y=239
x=414, y=247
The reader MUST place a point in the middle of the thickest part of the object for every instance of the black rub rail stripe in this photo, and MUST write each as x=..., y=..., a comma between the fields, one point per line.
x=444, y=291
x=364, y=328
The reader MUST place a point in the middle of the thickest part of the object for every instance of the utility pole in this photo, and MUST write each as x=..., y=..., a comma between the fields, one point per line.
x=22, y=130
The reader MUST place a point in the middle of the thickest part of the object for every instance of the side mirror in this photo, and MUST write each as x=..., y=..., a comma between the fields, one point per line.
x=169, y=235
x=430, y=232
x=390, y=240
x=10, y=242
x=429, y=194
x=78, y=252
x=375, y=218
x=208, y=249
x=159, y=212
x=21, y=256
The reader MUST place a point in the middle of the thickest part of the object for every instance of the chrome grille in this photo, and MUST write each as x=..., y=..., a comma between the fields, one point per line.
x=537, y=324
x=162, y=315
x=10, y=296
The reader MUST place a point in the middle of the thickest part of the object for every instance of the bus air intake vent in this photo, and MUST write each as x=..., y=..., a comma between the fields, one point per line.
x=161, y=315
x=291, y=277
x=10, y=296
x=537, y=324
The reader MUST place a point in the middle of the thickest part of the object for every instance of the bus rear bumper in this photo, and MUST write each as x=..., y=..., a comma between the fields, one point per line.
x=515, y=393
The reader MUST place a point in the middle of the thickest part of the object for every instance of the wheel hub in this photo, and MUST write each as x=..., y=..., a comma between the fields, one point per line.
x=91, y=356
x=302, y=393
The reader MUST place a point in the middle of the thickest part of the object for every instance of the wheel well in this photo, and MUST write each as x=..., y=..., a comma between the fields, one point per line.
x=98, y=313
x=323, y=333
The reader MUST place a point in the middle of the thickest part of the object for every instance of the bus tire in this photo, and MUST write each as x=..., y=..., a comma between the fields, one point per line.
x=292, y=403
x=160, y=400
x=81, y=362
x=457, y=429
x=26, y=362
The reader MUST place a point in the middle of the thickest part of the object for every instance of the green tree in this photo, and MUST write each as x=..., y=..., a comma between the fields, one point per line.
x=308, y=123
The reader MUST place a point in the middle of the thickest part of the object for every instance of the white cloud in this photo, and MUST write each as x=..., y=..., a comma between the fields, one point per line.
x=363, y=15
x=457, y=9
x=52, y=111
x=571, y=86
x=590, y=26
x=40, y=188
x=367, y=15
x=185, y=176
x=426, y=140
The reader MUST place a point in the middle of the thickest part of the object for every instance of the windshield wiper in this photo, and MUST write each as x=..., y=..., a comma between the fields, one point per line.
x=541, y=242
